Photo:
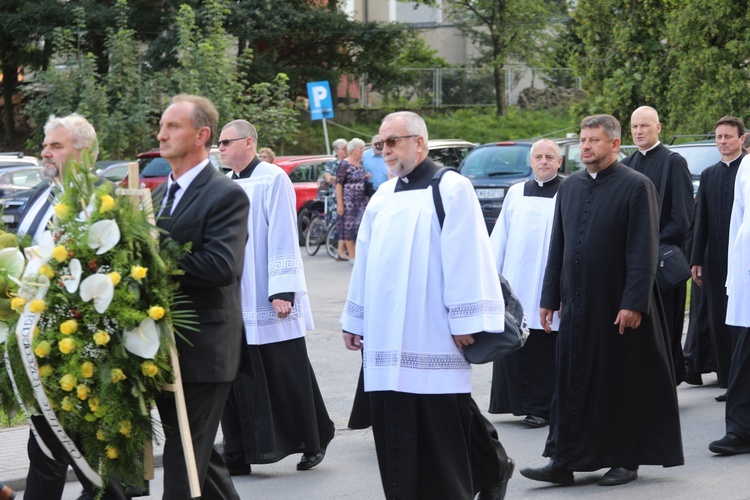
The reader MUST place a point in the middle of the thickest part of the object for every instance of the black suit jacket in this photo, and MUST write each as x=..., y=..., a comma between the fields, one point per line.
x=212, y=214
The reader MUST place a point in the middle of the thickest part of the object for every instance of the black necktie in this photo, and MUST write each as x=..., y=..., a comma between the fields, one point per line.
x=167, y=210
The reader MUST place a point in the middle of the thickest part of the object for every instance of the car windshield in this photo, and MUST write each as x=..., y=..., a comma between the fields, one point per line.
x=700, y=158
x=498, y=160
x=154, y=167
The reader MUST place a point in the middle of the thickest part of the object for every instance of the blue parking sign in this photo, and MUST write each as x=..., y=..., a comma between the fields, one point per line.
x=321, y=101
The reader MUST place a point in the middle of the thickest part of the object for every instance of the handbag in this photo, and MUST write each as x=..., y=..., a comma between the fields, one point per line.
x=489, y=346
x=672, y=269
x=369, y=189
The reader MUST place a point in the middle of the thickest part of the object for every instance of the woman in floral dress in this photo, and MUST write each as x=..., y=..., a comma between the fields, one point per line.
x=350, y=195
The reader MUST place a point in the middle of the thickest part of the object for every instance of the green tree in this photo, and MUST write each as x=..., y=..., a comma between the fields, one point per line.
x=622, y=56
x=504, y=31
x=709, y=62
x=23, y=27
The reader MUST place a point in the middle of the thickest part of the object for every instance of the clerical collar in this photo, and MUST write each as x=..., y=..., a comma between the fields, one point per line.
x=644, y=153
x=729, y=163
x=418, y=178
x=419, y=171
x=247, y=171
x=542, y=183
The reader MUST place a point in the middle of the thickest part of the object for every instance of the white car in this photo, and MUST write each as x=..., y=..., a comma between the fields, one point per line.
x=17, y=158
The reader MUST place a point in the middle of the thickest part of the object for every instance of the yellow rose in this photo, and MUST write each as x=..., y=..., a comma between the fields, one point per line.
x=67, y=346
x=101, y=337
x=82, y=391
x=115, y=277
x=100, y=435
x=94, y=404
x=62, y=210
x=125, y=428
x=68, y=382
x=45, y=371
x=67, y=404
x=47, y=271
x=117, y=375
x=42, y=349
x=149, y=369
x=156, y=312
x=112, y=452
x=87, y=369
x=60, y=253
x=69, y=327
x=37, y=306
x=138, y=272
x=17, y=303
x=108, y=203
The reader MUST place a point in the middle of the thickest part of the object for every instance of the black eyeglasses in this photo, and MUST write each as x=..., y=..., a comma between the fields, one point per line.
x=392, y=141
x=227, y=142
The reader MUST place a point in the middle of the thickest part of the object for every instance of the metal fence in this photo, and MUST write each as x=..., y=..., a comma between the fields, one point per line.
x=445, y=87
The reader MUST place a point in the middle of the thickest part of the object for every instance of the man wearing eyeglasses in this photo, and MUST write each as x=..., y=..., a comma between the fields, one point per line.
x=412, y=306
x=374, y=164
x=278, y=411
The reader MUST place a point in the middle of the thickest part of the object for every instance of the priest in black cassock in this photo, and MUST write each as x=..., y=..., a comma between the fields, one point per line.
x=616, y=404
x=523, y=382
x=675, y=214
x=711, y=237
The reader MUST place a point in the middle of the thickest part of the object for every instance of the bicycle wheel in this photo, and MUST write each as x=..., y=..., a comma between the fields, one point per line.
x=316, y=234
x=332, y=241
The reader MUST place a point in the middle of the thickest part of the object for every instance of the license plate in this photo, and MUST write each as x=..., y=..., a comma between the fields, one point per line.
x=9, y=218
x=490, y=194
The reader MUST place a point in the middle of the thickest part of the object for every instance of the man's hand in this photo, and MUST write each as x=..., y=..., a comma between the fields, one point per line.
x=352, y=342
x=628, y=319
x=282, y=308
x=545, y=317
x=697, y=272
x=463, y=340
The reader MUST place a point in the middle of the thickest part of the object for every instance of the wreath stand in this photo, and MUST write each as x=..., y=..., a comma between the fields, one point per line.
x=142, y=198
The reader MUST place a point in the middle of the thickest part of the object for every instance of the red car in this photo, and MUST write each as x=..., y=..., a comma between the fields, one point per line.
x=154, y=169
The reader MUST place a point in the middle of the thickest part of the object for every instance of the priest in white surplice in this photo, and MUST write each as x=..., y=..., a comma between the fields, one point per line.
x=523, y=382
x=416, y=295
x=278, y=409
x=737, y=438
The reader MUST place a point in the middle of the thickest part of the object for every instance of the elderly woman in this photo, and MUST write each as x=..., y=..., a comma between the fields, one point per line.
x=350, y=195
x=267, y=155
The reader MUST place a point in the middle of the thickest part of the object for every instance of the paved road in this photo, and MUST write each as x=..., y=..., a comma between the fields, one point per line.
x=350, y=468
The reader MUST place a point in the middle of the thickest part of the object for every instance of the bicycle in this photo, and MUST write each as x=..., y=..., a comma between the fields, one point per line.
x=322, y=227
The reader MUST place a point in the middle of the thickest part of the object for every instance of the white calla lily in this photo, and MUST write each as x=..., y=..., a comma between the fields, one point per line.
x=11, y=262
x=72, y=280
x=98, y=287
x=84, y=215
x=104, y=235
x=143, y=340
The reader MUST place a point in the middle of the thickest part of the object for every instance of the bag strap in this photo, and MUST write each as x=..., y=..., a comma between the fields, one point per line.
x=438, y=200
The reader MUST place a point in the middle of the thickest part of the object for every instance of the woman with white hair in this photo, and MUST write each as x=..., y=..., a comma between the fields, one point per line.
x=350, y=196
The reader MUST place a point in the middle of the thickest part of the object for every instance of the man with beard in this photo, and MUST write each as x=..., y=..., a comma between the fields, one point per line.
x=616, y=404
x=711, y=238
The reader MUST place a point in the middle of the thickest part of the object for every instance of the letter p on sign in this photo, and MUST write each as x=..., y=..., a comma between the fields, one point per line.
x=321, y=102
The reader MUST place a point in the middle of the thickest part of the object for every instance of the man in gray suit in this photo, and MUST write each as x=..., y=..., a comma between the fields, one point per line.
x=206, y=208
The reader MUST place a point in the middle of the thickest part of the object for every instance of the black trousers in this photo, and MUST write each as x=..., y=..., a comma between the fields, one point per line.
x=674, y=316
x=46, y=477
x=738, y=388
x=204, y=403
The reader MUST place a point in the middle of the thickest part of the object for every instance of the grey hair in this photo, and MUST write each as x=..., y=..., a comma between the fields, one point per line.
x=540, y=141
x=339, y=144
x=244, y=128
x=354, y=144
x=375, y=138
x=84, y=135
x=608, y=122
x=415, y=124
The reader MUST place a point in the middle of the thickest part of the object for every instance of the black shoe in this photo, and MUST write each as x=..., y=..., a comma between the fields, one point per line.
x=238, y=468
x=496, y=491
x=731, y=444
x=310, y=460
x=549, y=474
x=721, y=397
x=618, y=475
x=535, y=421
x=693, y=378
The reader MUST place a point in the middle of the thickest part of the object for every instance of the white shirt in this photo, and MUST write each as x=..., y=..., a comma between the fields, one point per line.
x=738, y=259
x=414, y=286
x=184, y=181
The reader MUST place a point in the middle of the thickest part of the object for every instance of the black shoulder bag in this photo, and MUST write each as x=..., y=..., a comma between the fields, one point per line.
x=488, y=346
